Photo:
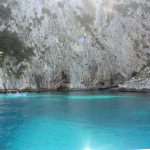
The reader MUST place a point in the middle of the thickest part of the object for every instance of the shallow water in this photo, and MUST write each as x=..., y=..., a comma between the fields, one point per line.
x=90, y=120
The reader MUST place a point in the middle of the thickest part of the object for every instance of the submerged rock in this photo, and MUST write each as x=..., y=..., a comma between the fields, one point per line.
x=67, y=44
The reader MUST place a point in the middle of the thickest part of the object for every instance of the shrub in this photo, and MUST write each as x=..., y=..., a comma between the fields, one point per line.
x=5, y=12
x=11, y=45
x=134, y=74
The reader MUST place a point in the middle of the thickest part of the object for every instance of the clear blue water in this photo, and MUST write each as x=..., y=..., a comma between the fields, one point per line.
x=89, y=120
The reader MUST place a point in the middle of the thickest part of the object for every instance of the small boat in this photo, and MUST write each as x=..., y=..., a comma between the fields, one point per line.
x=17, y=94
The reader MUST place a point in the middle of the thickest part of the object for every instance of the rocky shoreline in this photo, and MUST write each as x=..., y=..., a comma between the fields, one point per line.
x=112, y=89
x=139, y=83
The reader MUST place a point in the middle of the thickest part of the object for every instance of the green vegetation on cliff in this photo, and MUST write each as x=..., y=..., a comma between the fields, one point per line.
x=12, y=45
x=5, y=12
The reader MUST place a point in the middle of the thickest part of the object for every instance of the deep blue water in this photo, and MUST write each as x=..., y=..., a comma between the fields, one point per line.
x=89, y=120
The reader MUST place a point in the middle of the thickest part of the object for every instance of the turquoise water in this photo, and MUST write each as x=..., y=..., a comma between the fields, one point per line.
x=90, y=120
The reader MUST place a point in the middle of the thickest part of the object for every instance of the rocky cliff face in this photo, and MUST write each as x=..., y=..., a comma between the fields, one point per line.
x=141, y=82
x=72, y=44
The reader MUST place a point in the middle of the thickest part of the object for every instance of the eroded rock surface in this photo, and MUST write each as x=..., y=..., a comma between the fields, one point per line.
x=72, y=44
x=140, y=82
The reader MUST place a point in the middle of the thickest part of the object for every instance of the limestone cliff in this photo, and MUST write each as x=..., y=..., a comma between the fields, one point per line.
x=72, y=44
x=141, y=82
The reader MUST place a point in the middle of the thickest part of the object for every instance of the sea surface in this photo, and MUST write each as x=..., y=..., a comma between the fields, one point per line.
x=85, y=120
